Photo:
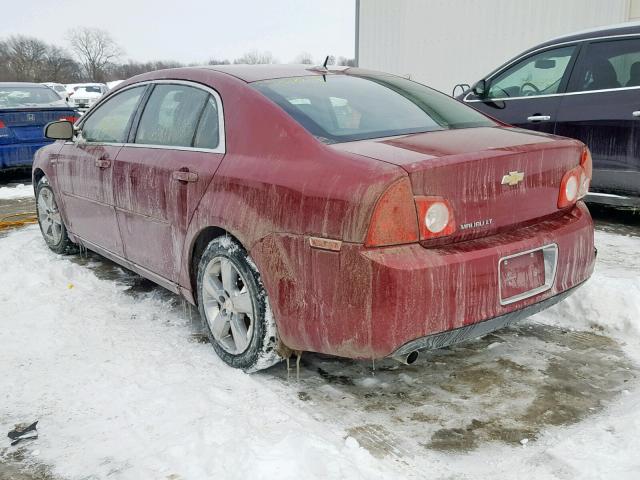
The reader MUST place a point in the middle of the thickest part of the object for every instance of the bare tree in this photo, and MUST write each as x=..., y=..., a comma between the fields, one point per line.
x=349, y=62
x=59, y=66
x=304, y=58
x=255, y=57
x=25, y=57
x=95, y=50
x=215, y=61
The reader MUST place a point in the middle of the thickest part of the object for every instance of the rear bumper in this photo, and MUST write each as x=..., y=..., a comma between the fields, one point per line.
x=370, y=303
x=19, y=154
x=480, y=329
x=613, y=200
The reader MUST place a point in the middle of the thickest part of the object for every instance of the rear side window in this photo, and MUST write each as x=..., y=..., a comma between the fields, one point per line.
x=605, y=65
x=540, y=74
x=111, y=121
x=343, y=108
x=171, y=116
x=208, y=134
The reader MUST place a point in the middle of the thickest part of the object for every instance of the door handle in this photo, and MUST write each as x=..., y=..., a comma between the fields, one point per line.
x=184, y=176
x=539, y=118
x=103, y=163
x=636, y=113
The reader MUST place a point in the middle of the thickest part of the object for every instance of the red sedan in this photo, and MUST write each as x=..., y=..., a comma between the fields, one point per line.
x=347, y=212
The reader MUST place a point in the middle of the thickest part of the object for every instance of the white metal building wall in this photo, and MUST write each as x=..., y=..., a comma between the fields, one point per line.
x=444, y=42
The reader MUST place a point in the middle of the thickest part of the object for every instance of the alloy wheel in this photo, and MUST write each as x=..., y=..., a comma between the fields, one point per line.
x=228, y=305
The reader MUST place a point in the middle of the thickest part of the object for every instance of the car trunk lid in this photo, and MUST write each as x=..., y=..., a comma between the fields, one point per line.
x=27, y=125
x=494, y=178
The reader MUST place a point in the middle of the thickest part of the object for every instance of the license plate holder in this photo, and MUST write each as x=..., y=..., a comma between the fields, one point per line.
x=525, y=274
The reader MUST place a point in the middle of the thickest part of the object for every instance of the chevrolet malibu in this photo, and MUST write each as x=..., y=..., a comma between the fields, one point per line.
x=346, y=212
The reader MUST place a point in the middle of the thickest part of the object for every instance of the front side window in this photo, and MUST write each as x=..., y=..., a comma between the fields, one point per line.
x=171, y=116
x=111, y=121
x=342, y=108
x=605, y=65
x=540, y=74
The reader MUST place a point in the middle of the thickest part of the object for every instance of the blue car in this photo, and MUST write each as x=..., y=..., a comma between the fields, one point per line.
x=25, y=108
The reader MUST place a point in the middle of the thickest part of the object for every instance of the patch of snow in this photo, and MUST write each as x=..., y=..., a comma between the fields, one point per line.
x=13, y=193
x=120, y=391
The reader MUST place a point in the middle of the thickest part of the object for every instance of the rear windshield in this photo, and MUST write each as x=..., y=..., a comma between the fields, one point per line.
x=341, y=108
x=25, y=97
x=88, y=89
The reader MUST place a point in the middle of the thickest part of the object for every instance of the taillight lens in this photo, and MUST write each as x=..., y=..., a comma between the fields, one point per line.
x=69, y=119
x=394, y=218
x=435, y=217
x=2, y=125
x=575, y=183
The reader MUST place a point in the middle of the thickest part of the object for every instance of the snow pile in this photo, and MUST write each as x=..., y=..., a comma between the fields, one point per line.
x=610, y=300
x=19, y=191
x=121, y=392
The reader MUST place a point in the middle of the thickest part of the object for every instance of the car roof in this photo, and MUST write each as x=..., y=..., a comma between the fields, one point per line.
x=628, y=28
x=21, y=84
x=255, y=73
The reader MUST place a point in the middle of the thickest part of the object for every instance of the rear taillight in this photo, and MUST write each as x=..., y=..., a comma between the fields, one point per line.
x=435, y=217
x=575, y=183
x=394, y=218
x=2, y=125
x=69, y=119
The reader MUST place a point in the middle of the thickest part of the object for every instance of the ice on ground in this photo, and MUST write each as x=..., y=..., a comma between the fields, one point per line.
x=19, y=191
x=121, y=392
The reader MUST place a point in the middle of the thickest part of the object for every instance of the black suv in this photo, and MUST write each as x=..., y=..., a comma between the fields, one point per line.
x=584, y=86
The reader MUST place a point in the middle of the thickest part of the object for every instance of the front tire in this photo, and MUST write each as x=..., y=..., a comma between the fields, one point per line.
x=50, y=220
x=234, y=307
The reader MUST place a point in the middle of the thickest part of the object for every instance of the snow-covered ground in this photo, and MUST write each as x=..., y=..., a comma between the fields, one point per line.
x=17, y=191
x=109, y=366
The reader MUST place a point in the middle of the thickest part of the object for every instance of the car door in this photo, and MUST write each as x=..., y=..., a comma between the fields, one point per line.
x=602, y=109
x=526, y=92
x=162, y=174
x=85, y=170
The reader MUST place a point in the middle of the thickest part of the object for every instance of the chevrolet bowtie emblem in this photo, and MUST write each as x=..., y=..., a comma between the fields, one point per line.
x=513, y=178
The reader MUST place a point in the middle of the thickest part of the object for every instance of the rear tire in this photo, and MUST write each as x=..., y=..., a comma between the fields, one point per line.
x=50, y=220
x=234, y=307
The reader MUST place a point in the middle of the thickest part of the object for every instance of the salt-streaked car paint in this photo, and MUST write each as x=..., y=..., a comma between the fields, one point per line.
x=276, y=187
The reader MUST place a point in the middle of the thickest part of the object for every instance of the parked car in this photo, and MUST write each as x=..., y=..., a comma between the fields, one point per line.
x=85, y=95
x=347, y=212
x=584, y=86
x=59, y=89
x=25, y=108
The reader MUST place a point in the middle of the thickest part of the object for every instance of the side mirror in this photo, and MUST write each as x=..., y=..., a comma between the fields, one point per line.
x=60, y=130
x=480, y=88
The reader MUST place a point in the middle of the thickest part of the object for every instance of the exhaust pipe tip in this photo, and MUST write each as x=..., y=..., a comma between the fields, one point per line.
x=409, y=358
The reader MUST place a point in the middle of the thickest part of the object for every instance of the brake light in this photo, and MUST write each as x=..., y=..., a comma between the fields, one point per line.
x=69, y=119
x=2, y=125
x=575, y=183
x=435, y=217
x=394, y=218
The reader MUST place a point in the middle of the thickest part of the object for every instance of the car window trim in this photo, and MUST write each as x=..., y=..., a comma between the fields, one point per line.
x=221, y=148
x=579, y=42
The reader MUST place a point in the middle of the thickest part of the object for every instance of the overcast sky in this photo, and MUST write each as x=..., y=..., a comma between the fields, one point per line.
x=194, y=30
